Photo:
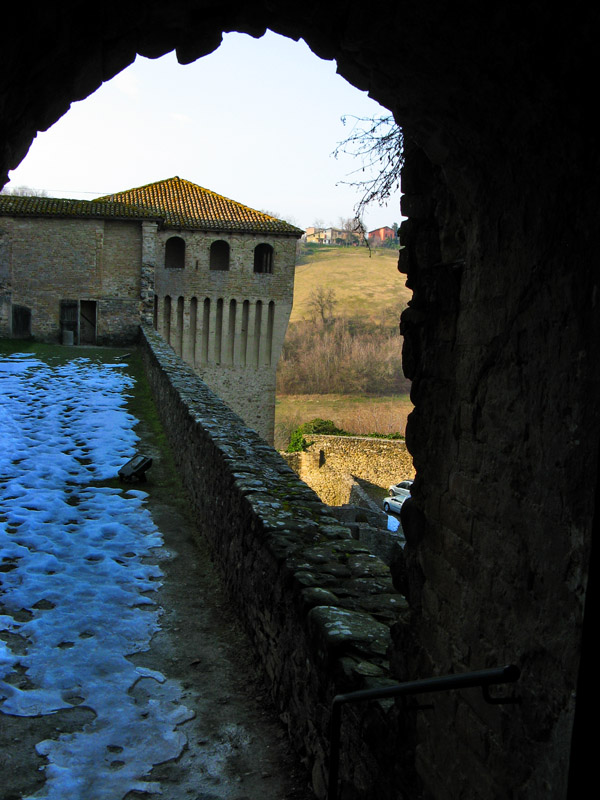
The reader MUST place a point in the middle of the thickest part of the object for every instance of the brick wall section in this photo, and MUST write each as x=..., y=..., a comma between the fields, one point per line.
x=240, y=278
x=50, y=260
x=317, y=605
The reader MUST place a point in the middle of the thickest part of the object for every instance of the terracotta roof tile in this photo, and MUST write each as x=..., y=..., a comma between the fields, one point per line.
x=17, y=206
x=185, y=205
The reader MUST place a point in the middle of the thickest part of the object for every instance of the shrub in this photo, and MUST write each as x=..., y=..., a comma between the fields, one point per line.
x=328, y=428
x=323, y=426
x=297, y=442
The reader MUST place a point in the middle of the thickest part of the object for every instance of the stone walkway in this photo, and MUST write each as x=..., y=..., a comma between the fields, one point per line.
x=123, y=671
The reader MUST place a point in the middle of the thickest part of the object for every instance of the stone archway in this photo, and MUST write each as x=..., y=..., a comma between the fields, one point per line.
x=500, y=189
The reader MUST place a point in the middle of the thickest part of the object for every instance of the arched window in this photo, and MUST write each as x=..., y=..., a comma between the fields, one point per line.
x=175, y=253
x=263, y=258
x=219, y=255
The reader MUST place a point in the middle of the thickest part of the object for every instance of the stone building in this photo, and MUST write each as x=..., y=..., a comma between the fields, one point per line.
x=215, y=277
x=223, y=289
x=380, y=236
x=501, y=179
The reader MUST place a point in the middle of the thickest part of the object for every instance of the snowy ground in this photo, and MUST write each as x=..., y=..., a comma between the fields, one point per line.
x=79, y=572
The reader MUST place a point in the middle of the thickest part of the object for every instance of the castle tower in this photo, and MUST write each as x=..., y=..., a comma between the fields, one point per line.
x=223, y=289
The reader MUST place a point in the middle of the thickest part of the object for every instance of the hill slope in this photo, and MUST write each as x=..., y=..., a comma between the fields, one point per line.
x=366, y=287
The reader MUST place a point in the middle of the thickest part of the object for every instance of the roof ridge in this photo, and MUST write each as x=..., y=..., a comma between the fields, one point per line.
x=195, y=186
x=184, y=203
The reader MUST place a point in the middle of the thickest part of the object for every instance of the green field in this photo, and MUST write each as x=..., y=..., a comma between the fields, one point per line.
x=367, y=287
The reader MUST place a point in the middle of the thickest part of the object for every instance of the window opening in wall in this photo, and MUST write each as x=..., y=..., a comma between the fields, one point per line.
x=205, y=330
x=167, y=319
x=256, y=339
x=179, y=332
x=263, y=258
x=270, y=326
x=219, y=256
x=193, y=328
x=245, y=322
x=175, y=253
x=155, y=316
x=219, y=330
x=87, y=321
x=231, y=336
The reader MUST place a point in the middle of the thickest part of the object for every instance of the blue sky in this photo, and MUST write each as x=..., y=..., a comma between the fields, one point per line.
x=257, y=121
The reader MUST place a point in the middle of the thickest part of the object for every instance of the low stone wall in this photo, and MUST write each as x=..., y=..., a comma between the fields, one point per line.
x=334, y=487
x=317, y=604
x=332, y=463
x=379, y=461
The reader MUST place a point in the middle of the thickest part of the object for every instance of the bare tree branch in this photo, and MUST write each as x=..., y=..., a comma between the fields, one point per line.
x=321, y=302
x=379, y=143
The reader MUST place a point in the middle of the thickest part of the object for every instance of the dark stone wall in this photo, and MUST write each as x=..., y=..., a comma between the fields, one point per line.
x=501, y=339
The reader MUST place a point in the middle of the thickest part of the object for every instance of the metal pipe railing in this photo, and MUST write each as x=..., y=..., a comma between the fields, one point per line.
x=482, y=678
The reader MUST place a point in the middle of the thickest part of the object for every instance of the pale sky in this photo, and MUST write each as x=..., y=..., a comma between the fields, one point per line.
x=256, y=121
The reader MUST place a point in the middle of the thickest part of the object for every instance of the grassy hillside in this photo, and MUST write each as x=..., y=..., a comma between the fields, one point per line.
x=366, y=286
x=341, y=357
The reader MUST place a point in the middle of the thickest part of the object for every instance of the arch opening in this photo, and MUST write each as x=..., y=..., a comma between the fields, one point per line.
x=175, y=253
x=263, y=259
x=219, y=256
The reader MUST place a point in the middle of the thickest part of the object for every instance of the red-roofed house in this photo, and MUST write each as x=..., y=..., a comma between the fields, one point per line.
x=380, y=236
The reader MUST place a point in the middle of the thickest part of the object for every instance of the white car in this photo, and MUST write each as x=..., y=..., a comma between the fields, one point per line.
x=401, y=489
x=393, y=503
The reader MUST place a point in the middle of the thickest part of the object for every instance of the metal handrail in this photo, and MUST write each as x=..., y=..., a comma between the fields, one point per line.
x=483, y=678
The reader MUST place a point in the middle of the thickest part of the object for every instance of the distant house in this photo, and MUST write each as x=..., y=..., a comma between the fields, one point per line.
x=333, y=236
x=213, y=276
x=380, y=236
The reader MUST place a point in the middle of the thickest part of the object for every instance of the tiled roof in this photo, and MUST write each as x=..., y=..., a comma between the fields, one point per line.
x=16, y=206
x=183, y=204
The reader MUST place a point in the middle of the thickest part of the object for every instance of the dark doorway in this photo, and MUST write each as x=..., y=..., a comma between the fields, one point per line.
x=87, y=322
x=21, y=322
x=68, y=321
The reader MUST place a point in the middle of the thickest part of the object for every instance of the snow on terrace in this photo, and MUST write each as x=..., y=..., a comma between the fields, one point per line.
x=76, y=568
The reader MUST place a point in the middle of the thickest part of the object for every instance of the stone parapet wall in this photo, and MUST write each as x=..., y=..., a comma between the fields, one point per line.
x=318, y=605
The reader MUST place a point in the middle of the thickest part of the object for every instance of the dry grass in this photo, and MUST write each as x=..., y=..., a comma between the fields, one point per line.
x=334, y=359
x=353, y=413
x=367, y=288
x=370, y=289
